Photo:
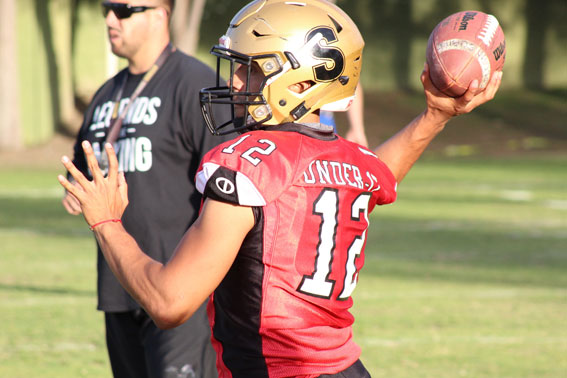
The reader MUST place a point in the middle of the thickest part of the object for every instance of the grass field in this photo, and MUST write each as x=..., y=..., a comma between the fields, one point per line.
x=464, y=275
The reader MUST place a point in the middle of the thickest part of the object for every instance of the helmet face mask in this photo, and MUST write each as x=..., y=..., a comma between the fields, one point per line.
x=248, y=106
x=310, y=41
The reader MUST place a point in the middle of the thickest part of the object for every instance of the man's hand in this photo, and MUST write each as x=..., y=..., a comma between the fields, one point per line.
x=402, y=150
x=71, y=204
x=443, y=107
x=102, y=198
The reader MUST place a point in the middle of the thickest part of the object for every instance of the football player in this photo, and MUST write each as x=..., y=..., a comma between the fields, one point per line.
x=279, y=242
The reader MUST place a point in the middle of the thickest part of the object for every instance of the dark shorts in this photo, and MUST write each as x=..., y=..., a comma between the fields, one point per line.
x=356, y=370
x=138, y=349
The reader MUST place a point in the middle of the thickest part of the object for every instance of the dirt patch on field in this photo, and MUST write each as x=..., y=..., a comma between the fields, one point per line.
x=515, y=123
x=47, y=155
x=512, y=124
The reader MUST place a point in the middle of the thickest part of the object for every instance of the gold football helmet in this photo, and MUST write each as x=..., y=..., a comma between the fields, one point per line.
x=291, y=42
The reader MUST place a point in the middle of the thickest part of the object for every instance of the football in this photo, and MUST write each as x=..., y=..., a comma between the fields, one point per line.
x=465, y=46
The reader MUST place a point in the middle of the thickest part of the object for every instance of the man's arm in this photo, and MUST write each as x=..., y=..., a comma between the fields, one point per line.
x=402, y=150
x=170, y=293
x=69, y=202
x=355, y=115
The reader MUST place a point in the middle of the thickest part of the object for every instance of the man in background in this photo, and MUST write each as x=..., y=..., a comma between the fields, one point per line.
x=355, y=116
x=150, y=111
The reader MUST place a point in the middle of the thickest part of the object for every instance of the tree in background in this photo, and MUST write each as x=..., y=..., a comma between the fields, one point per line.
x=537, y=19
x=10, y=135
x=54, y=86
x=56, y=20
x=186, y=23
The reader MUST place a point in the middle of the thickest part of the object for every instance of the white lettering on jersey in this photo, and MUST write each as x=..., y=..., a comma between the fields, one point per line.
x=139, y=110
x=151, y=114
x=311, y=178
x=346, y=169
x=101, y=116
x=373, y=186
x=126, y=159
x=143, y=154
x=323, y=171
x=340, y=174
x=144, y=111
x=337, y=172
x=134, y=154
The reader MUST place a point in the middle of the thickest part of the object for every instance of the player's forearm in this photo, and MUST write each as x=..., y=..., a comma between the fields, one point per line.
x=401, y=151
x=139, y=274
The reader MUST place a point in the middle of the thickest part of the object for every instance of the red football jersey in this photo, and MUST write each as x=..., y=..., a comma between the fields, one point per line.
x=283, y=308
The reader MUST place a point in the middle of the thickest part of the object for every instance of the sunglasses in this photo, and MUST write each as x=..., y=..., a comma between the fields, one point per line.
x=122, y=10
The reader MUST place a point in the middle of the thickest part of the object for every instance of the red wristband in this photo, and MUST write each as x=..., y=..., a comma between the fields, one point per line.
x=104, y=221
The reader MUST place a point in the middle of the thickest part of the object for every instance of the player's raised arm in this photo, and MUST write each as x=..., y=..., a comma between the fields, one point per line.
x=402, y=150
x=462, y=61
x=169, y=293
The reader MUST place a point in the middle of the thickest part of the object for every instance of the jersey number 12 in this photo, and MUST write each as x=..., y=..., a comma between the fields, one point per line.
x=326, y=206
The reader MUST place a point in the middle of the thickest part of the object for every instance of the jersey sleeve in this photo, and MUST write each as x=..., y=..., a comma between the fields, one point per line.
x=250, y=170
x=388, y=186
x=226, y=185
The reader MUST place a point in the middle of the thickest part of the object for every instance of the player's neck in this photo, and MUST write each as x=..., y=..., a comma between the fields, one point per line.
x=145, y=57
x=311, y=118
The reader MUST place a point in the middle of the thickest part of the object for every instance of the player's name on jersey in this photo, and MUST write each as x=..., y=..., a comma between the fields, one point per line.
x=325, y=172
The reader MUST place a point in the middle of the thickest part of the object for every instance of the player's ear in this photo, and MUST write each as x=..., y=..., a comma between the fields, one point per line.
x=163, y=14
x=301, y=86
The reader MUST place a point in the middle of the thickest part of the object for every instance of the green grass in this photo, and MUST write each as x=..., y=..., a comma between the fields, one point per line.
x=464, y=275
x=50, y=327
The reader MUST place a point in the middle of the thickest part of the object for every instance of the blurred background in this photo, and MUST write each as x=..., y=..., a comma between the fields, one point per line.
x=54, y=53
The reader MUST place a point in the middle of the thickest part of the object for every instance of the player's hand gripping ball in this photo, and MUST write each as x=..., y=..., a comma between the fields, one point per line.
x=465, y=46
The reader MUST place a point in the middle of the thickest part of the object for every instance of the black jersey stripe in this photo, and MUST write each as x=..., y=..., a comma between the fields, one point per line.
x=238, y=301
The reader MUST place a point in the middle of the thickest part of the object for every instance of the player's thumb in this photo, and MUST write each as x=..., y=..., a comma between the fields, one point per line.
x=123, y=189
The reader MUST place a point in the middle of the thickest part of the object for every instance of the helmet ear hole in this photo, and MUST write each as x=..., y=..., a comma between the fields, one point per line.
x=302, y=86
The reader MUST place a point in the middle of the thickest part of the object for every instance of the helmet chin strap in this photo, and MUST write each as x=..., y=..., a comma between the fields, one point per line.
x=315, y=98
x=303, y=109
x=238, y=122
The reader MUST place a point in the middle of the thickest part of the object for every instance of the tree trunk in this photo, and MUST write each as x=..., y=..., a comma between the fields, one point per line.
x=537, y=17
x=68, y=118
x=186, y=23
x=10, y=132
x=402, y=48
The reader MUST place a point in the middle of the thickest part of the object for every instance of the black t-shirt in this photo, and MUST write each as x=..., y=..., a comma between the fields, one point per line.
x=161, y=142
